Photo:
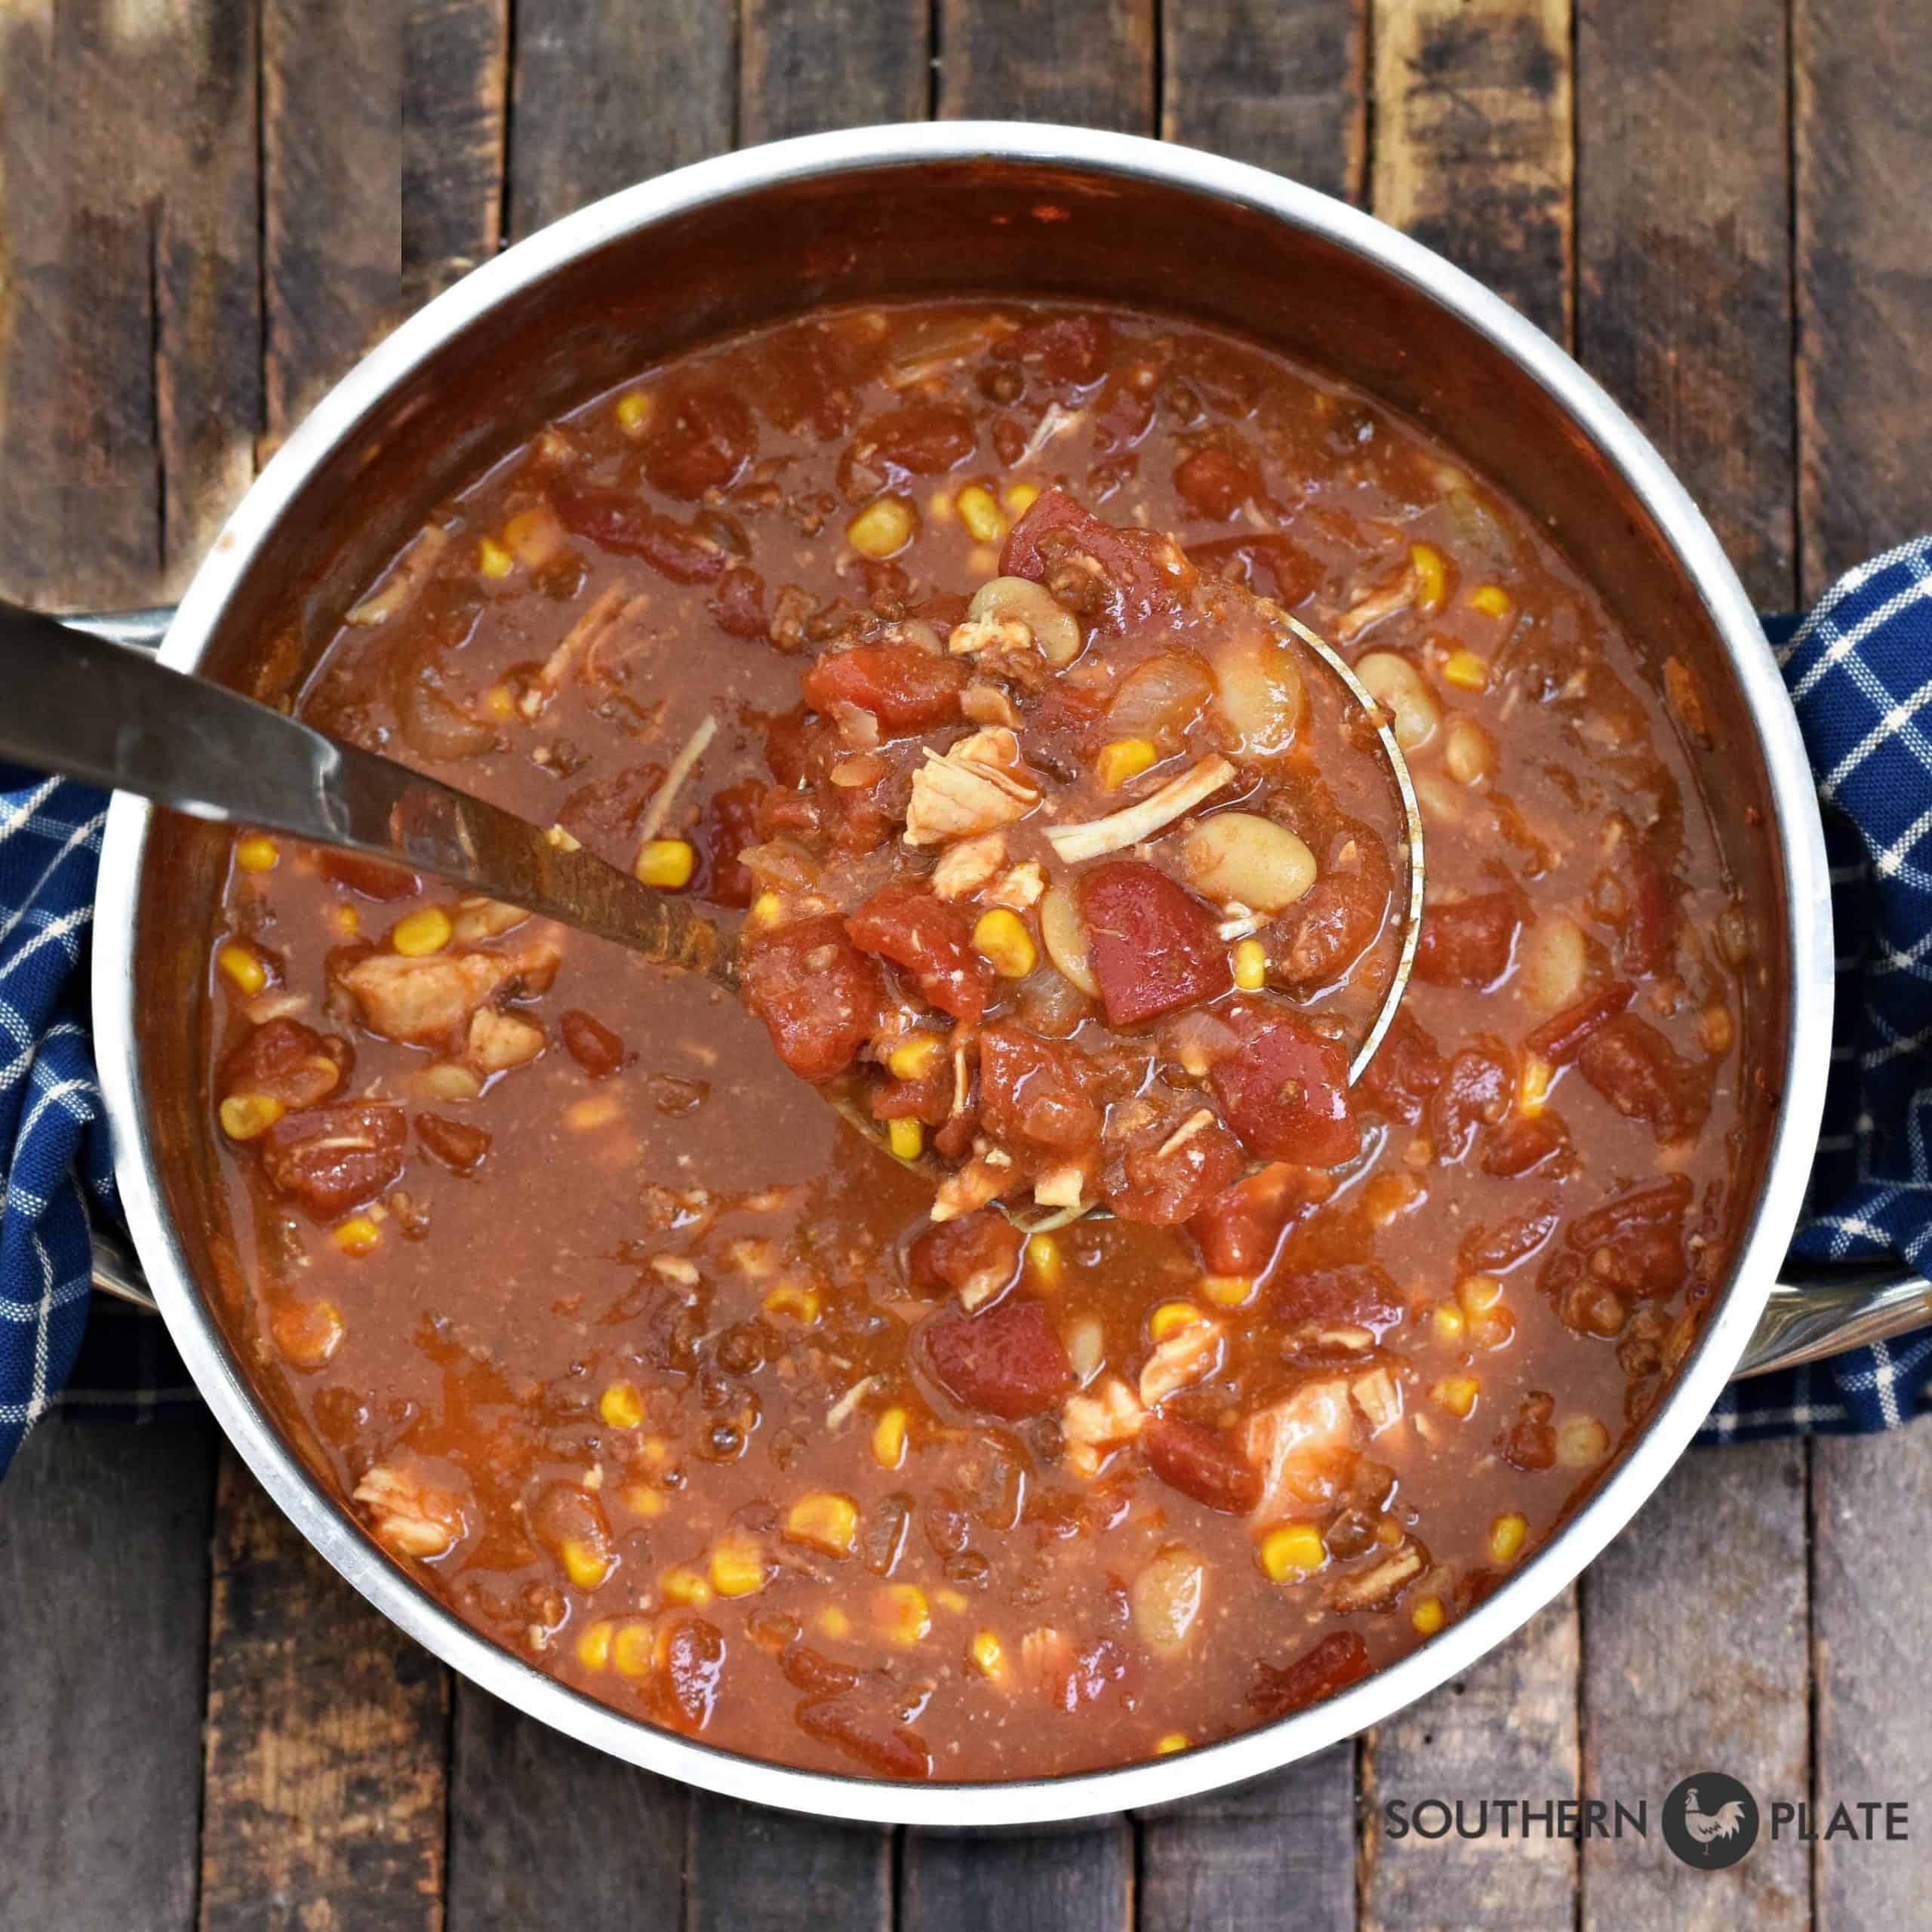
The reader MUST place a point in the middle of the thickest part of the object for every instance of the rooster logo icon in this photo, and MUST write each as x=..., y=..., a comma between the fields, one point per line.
x=1710, y=1820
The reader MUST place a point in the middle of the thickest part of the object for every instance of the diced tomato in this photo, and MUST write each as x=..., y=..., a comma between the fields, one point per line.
x=331, y=1159
x=1354, y=1295
x=1474, y=1092
x=1285, y=1092
x=1406, y=1069
x=918, y=438
x=1007, y=1360
x=1153, y=946
x=1470, y=941
x=906, y=689
x=627, y=526
x=707, y=436
x=928, y=1098
x=1271, y=565
x=288, y=1062
x=738, y=604
x=1520, y=1143
x=1337, y=1660
x=1642, y=1075
x=932, y=941
x=1560, y=1038
x=1239, y=1230
x=1214, y=483
x=1207, y=1464
x=980, y=1249
x=1142, y=571
x=1321, y=936
x=818, y=996
x=1035, y=1092
x=1064, y=349
x=1163, y=1181
x=369, y=876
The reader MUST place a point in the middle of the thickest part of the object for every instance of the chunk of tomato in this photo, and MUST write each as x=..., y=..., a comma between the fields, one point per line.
x=818, y=994
x=1285, y=1092
x=1152, y=945
x=1207, y=1464
x=906, y=689
x=1238, y=1231
x=1035, y=1092
x=1007, y=1360
x=932, y=940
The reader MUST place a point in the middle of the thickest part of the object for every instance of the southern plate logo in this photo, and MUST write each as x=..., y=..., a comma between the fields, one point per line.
x=1710, y=1820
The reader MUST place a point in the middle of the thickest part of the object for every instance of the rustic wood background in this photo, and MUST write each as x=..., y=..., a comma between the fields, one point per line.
x=209, y=208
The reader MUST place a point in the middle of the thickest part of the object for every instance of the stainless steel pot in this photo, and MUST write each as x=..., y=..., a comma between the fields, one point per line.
x=910, y=211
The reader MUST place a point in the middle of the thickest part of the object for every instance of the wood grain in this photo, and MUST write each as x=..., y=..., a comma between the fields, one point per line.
x=808, y=65
x=1507, y=1729
x=753, y=1870
x=327, y=1742
x=1472, y=150
x=544, y=1831
x=1282, y=1850
x=1088, y=62
x=103, y=1597
x=1282, y=85
x=1019, y=1881
x=1863, y=134
x=455, y=82
x=1684, y=250
x=604, y=96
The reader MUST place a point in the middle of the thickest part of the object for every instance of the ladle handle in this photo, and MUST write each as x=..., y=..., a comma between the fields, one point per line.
x=90, y=709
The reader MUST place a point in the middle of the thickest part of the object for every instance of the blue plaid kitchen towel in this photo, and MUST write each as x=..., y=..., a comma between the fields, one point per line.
x=1859, y=670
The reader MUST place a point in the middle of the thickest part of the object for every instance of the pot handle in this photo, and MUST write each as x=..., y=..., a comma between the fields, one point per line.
x=1813, y=1312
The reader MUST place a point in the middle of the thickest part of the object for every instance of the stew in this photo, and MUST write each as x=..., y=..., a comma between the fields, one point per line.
x=630, y=1347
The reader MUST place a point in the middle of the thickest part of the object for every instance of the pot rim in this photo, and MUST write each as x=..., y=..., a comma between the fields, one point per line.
x=1252, y=1754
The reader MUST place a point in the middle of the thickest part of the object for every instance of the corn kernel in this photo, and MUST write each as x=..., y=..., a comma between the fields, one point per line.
x=988, y=1653
x=938, y=506
x=1428, y=1616
x=416, y=935
x=792, y=1298
x=593, y=1646
x=357, y=1235
x=916, y=1057
x=640, y=1500
x=1491, y=599
x=1478, y=1292
x=1533, y=1085
x=834, y=1623
x=737, y=1568
x=1581, y=1440
x=904, y=1615
x=655, y=1450
x=882, y=529
x=1506, y=1536
x=634, y=411
x=1171, y=1317
x=906, y=1138
x=1227, y=1290
x=1175, y=1740
x=1388, y=1197
x=242, y=967
x=824, y=1519
x=1000, y=937
x=593, y=1111
x=952, y=1601
x=667, y=863
x=1458, y=1393
x=634, y=1650
x=1451, y=1328
x=585, y=1563
x=889, y=1439
x=1292, y=1550
x=1250, y=965
x=492, y=559
x=1020, y=497
x=246, y=1116
x=1715, y=1030
x=345, y=920
x=1122, y=759
x=683, y=1585
x=1045, y=1262
x=499, y=701
x=257, y=853
x=980, y=513
x=1491, y=1327
x=1466, y=671
x=1432, y=575
x=621, y=1406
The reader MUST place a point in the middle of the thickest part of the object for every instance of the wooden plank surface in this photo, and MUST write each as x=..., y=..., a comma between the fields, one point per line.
x=1089, y=62
x=808, y=65
x=455, y=84
x=1685, y=312
x=1019, y=1881
x=103, y=1598
x=753, y=1870
x=1281, y=83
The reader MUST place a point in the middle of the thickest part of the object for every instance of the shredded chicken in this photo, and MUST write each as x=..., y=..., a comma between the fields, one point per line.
x=1063, y=1186
x=1378, y=1398
x=964, y=868
x=420, y=1001
x=608, y=614
x=990, y=639
x=1376, y=605
x=500, y=1041
x=836, y=1417
x=1145, y=816
x=1019, y=886
x=1198, y=1122
x=1304, y=1447
x=980, y=784
x=1375, y=1589
x=1056, y=422
x=409, y=1516
x=479, y=919
x=682, y=766
x=978, y=1181
x=1188, y=1355
x=987, y=704
x=1092, y=1426
x=412, y=570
